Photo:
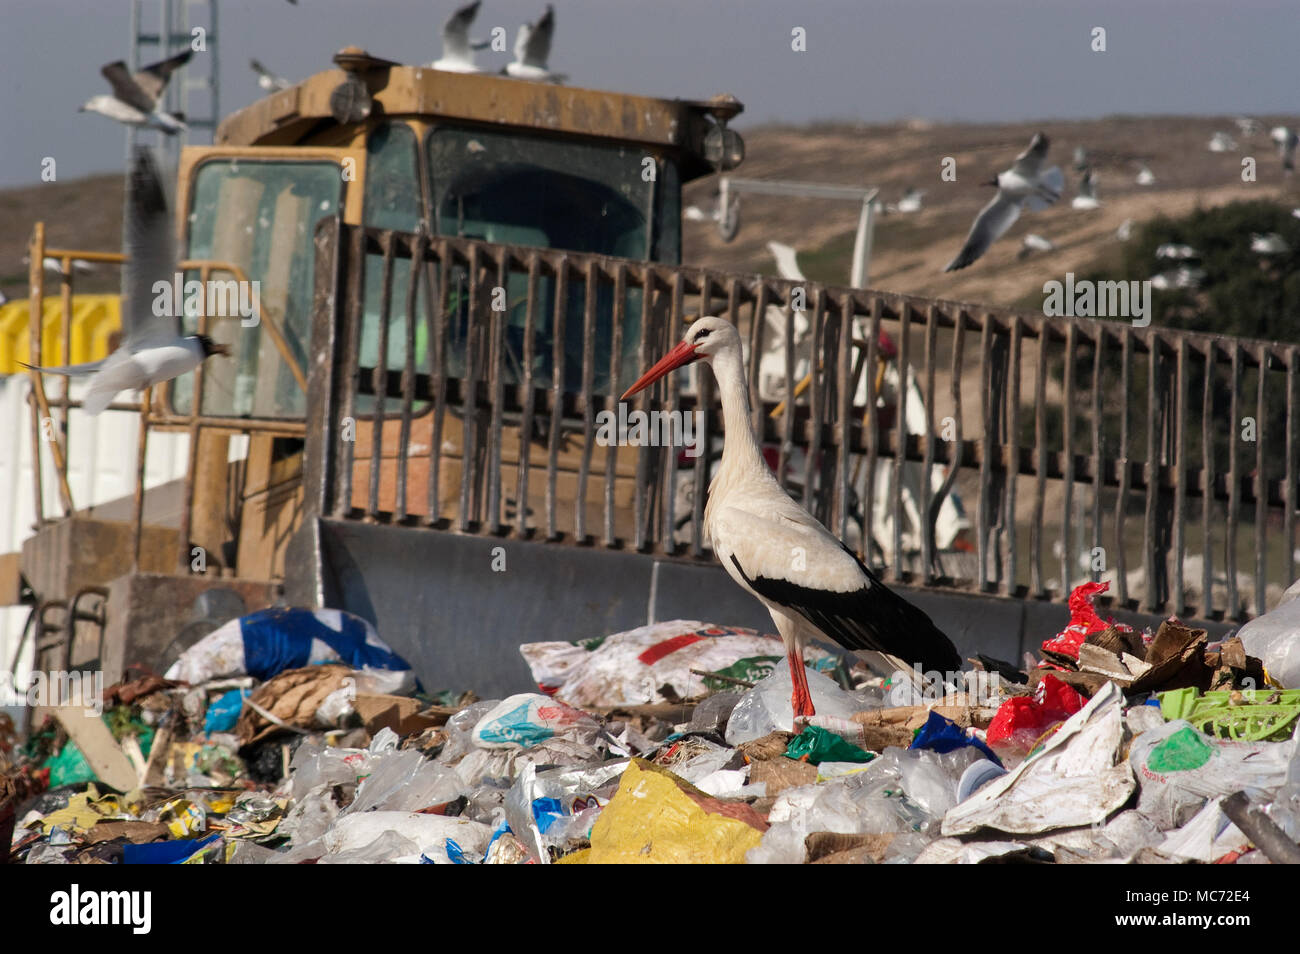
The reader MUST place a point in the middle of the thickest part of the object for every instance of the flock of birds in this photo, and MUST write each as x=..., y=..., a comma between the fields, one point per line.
x=136, y=98
x=459, y=52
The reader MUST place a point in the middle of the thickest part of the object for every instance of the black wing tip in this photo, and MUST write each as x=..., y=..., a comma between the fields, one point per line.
x=147, y=193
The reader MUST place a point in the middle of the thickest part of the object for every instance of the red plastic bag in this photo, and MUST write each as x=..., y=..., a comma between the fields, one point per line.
x=1084, y=621
x=1022, y=720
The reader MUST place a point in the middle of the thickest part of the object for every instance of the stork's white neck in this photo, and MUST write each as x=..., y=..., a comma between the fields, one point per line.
x=741, y=455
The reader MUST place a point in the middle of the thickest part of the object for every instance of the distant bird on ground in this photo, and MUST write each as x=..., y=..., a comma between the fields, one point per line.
x=1248, y=126
x=1287, y=140
x=533, y=49
x=153, y=350
x=55, y=266
x=1087, y=197
x=810, y=582
x=1222, y=142
x=1145, y=176
x=911, y=201
x=1033, y=242
x=137, y=97
x=1269, y=243
x=1176, y=252
x=1295, y=213
x=271, y=82
x=1026, y=183
x=457, y=48
x=1125, y=230
x=1080, y=159
x=1184, y=276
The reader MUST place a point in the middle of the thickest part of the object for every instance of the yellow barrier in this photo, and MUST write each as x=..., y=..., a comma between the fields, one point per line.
x=94, y=319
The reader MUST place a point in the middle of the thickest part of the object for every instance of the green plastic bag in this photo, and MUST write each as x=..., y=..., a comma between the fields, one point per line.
x=69, y=767
x=817, y=745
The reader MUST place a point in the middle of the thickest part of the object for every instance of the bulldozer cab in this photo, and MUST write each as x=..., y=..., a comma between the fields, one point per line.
x=443, y=155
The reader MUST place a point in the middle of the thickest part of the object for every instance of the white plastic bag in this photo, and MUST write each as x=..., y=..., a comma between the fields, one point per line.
x=1275, y=639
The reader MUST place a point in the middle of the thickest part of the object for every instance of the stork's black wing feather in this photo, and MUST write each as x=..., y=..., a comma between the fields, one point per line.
x=872, y=618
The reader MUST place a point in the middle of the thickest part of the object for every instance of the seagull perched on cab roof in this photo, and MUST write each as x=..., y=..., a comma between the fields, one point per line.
x=457, y=48
x=271, y=82
x=810, y=582
x=1026, y=183
x=533, y=49
x=153, y=350
x=137, y=96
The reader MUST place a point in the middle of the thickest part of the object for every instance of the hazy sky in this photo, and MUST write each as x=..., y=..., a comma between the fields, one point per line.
x=969, y=60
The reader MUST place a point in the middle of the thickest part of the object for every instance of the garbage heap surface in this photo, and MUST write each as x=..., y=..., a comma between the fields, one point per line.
x=294, y=736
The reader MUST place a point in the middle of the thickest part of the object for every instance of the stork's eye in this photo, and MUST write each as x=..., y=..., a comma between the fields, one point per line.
x=701, y=335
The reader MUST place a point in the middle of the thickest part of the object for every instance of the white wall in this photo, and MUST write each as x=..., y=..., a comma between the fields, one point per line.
x=101, y=468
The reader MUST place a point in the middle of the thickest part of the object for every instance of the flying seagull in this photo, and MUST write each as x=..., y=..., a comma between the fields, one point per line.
x=153, y=350
x=1287, y=140
x=533, y=49
x=1145, y=176
x=1248, y=126
x=137, y=97
x=1087, y=197
x=810, y=582
x=271, y=82
x=457, y=48
x=1026, y=183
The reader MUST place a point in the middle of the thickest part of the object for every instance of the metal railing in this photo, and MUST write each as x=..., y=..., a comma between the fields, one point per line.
x=1162, y=460
x=154, y=415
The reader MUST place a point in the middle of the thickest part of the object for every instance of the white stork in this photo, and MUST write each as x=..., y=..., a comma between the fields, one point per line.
x=808, y=580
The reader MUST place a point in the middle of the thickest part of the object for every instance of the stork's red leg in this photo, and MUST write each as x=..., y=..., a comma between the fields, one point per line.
x=801, y=699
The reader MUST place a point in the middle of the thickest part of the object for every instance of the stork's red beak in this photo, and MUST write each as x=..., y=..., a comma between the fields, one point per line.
x=683, y=354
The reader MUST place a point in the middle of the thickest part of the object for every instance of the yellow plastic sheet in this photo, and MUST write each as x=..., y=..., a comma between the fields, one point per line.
x=657, y=818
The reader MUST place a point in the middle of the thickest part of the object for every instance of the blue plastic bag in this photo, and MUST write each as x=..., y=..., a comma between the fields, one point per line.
x=224, y=711
x=943, y=735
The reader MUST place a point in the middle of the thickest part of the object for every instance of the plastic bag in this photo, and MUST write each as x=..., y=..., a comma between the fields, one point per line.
x=404, y=781
x=528, y=719
x=1084, y=621
x=766, y=707
x=1022, y=720
x=223, y=711
x=816, y=745
x=629, y=668
x=1179, y=768
x=1275, y=639
x=270, y=641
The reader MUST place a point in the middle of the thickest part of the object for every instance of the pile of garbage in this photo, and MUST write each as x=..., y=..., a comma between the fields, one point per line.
x=292, y=736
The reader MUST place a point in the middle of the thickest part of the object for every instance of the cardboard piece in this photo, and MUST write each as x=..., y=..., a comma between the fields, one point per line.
x=97, y=744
